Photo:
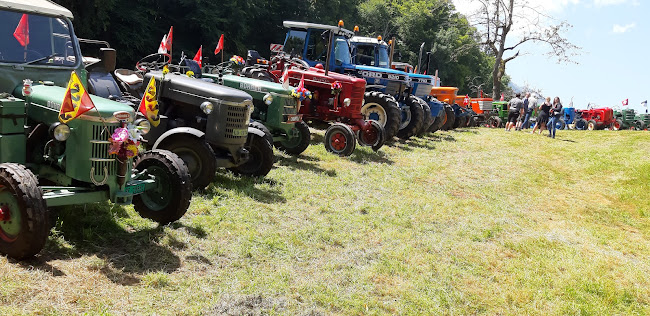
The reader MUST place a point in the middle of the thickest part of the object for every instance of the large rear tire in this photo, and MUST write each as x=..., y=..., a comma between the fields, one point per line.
x=25, y=223
x=439, y=122
x=171, y=199
x=260, y=160
x=298, y=144
x=198, y=157
x=382, y=108
x=581, y=124
x=340, y=140
x=639, y=125
x=412, y=118
x=451, y=118
x=428, y=119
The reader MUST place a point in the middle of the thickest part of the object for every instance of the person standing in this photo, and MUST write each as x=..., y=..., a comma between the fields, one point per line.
x=556, y=110
x=532, y=104
x=522, y=116
x=515, y=108
x=542, y=118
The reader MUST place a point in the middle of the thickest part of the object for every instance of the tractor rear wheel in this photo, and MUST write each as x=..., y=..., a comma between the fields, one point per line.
x=261, y=127
x=439, y=121
x=384, y=109
x=296, y=145
x=412, y=118
x=24, y=222
x=260, y=160
x=451, y=117
x=340, y=140
x=428, y=119
x=171, y=199
x=560, y=124
x=581, y=124
x=198, y=157
x=617, y=125
x=592, y=125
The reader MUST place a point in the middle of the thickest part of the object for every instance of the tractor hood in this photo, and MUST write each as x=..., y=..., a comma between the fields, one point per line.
x=195, y=91
x=419, y=78
x=42, y=7
x=380, y=73
x=51, y=97
x=253, y=85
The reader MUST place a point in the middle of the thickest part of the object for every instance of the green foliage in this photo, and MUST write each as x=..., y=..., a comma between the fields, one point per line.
x=135, y=29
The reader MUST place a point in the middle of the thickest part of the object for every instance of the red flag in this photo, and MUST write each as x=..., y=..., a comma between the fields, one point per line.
x=199, y=56
x=466, y=100
x=625, y=102
x=22, y=31
x=219, y=45
x=162, y=49
x=168, y=44
x=301, y=85
x=285, y=78
x=503, y=98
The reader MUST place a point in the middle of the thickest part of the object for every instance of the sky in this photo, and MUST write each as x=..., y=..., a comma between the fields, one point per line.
x=614, y=60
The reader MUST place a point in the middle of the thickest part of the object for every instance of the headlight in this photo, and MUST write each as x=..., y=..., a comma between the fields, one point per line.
x=207, y=107
x=143, y=125
x=268, y=99
x=60, y=131
x=347, y=101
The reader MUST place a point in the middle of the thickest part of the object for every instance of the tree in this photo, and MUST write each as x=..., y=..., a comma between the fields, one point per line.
x=507, y=25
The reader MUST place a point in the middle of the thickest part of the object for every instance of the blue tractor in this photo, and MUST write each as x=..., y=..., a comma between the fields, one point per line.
x=312, y=42
x=368, y=51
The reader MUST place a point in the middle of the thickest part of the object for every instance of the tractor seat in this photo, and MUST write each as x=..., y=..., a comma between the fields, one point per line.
x=129, y=77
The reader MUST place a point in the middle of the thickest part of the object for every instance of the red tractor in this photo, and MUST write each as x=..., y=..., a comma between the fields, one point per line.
x=336, y=99
x=593, y=119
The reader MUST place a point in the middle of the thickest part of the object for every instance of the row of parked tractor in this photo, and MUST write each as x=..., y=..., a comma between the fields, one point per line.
x=75, y=129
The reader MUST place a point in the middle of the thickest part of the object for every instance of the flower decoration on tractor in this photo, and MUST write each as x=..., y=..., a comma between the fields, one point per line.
x=237, y=61
x=125, y=142
x=190, y=73
x=336, y=87
x=301, y=93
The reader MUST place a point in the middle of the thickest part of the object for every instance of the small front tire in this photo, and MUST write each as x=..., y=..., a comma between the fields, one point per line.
x=260, y=159
x=340, y=140
x=296, y=145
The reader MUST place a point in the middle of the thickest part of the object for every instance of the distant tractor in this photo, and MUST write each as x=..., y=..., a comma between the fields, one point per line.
x=642, y=121
x=599, y=118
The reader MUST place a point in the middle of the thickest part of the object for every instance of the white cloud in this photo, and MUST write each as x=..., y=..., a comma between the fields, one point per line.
x=622, y=29
x=469, y=6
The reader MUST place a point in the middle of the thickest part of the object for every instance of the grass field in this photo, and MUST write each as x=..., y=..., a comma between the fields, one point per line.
x=473, y=221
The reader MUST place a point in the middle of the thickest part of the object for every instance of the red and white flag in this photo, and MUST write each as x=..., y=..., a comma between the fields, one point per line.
x=22, y=31
x=219, y=45
x=162, y=49
x=625, y=102
x=285, y=78
x=168, y=43
x=466, y=100
x=199, y=56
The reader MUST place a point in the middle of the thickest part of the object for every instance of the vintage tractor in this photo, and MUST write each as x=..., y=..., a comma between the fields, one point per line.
x=205, y=124
x=374, y=52
x=598, y=118
x=627, y=119
x=329, y=46
x=455, y=116
x=275, y=107
x=501, y=114
x=568, y=117
x=46, y=163
x=642, y=121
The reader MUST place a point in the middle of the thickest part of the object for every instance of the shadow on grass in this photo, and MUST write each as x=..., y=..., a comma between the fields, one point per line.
x=126, y=254
x=438, y=137
x=471, y=130
x=247, y=186
x=367, y=156
x=299, y=163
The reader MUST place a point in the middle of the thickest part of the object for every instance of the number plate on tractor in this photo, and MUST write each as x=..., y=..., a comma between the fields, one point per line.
x=240, y=132
x=294, y=118
x=135, y=189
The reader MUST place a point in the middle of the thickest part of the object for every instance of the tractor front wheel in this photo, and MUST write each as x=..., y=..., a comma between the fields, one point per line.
x=384, y=109
x=451, y=118
x=617, y=125
x=374, y=138
x=24, y=223
x=260, y=159
x=439, y=121
x=298, y=142
x=340, y=140
x=639, y=125
x=412, y=118
x=428, y=119
x=581, y=124
x=198, y=157
x=592, y=125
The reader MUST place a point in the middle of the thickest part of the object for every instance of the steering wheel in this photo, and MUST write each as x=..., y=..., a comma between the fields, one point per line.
x=153, y=61
x=299, y=63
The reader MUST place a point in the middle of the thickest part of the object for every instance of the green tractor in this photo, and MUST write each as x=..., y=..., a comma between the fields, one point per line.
x=626, y=119
x=276, y=110
x=45, y=163
x=500, y=119
x=642, y=121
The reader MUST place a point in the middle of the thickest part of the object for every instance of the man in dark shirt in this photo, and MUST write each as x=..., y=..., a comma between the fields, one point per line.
x=515, y=109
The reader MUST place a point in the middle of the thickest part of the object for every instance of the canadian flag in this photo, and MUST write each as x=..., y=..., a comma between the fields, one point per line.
x=199, y=56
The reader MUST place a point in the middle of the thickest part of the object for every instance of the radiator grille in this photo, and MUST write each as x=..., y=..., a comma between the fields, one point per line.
x=358, y=93
x=393, y=87
x=237, y=119
x=99, y=150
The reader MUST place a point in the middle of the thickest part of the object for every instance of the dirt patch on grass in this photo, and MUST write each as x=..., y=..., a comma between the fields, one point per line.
x=249, y=305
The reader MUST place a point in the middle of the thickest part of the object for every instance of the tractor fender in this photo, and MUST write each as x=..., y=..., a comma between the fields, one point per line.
x=256, y=131
x=179, y=131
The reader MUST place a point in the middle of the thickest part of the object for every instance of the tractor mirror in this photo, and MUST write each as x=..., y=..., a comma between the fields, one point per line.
x=109, y=58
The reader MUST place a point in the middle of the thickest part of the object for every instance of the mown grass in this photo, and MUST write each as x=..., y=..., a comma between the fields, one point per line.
x=473, y=221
